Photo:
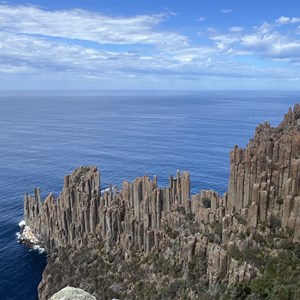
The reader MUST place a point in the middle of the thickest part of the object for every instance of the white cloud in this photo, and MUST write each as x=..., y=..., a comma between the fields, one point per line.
x=84, y=25
x=226, y=39
x=273, y=45
x=226, y=11
x=40, y=55
x=38, y=42
x=295, y=20
x=212, y=30
x=259, y=43
x=37, y=56
x=201, y=19
x=286, y=20
x=264, y=42
x=264, y=28
x=283, y=20
x=236, y=29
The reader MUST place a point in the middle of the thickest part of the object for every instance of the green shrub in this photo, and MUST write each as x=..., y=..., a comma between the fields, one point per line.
x=234, y=252
x=211, y=237
x=248, y=232
x=275, y=223
x=259, y=238
x=242, y=235
x=206, y=202
x=240, y=219
x=172, y=234
x=217, y=228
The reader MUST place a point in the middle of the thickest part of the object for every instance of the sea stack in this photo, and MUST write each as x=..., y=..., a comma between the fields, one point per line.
x=143, y=241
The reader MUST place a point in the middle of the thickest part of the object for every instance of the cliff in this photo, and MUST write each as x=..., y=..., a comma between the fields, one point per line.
x=264, y=177
x=144, y=241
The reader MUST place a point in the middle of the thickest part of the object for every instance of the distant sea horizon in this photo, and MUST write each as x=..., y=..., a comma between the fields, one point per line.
x=45, y=135
x=99, y=92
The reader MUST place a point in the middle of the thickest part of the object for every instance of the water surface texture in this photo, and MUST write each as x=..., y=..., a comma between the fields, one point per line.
x=45, y=136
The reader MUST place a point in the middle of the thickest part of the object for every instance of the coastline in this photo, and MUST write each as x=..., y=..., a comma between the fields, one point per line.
x=228, y=219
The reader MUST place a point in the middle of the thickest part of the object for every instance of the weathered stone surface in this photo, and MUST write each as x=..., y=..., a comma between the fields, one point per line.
x=267, y=172
x=71, y=293
x=60, y=221
x=142, y=218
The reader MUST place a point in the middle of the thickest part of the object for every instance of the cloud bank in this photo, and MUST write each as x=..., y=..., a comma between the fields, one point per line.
x=76, y=43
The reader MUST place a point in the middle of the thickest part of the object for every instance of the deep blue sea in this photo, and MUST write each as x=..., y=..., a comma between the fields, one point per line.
x=46, y=135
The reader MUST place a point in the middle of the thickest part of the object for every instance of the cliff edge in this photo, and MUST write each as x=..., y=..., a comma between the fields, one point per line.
x=146, y=242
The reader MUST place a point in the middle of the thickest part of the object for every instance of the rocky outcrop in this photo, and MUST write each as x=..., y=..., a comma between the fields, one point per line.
x=70, y=293
x=132, y=216
x=203, y=234
x=264, y=178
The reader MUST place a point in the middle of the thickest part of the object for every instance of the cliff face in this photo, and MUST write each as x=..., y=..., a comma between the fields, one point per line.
x=264, y=182
x=205, y=237
x=65, y=220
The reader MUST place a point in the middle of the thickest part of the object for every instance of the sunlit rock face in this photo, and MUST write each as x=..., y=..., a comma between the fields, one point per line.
x=265, y=177
x=70, y=293
x=142, y=237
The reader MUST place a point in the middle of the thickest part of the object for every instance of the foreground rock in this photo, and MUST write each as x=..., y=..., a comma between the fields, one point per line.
x=147, y=242
x=70, y=293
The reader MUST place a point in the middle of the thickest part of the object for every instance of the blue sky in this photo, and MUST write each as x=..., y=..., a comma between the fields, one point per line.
x=170, y=45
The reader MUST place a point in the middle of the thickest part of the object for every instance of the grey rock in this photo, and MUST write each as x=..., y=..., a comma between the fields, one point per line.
x=142, y=218
x=71, y=293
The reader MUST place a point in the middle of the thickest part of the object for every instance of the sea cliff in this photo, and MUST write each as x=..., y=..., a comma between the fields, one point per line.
x=143, y=241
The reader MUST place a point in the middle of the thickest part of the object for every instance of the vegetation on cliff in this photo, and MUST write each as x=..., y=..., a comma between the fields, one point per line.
x=146, y=242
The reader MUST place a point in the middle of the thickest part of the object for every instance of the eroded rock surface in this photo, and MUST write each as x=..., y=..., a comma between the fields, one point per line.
x=70, y=293
x=147, y=242
x=264, y=178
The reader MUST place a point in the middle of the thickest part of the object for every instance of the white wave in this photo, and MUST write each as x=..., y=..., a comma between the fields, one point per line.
x=38, y=248
x=105, y=190
x=18, y=235
x=26, y=230
x=22, y=223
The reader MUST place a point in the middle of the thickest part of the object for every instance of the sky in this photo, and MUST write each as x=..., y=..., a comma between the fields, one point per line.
x=150, y=45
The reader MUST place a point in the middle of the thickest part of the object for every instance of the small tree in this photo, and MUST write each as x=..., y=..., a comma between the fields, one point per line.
x=206, y=202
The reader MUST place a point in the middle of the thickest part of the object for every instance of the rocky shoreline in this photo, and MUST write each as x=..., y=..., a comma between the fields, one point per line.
x=142, y=241
x=27, y=237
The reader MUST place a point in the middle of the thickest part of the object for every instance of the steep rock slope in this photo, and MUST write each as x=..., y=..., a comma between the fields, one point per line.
x=264, y=178
x=147, y=242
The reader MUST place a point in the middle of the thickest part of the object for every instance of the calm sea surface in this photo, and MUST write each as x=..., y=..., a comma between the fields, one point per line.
x=44, y=136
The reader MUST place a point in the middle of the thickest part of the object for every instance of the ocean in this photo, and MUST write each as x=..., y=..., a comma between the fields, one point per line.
x=46, y=135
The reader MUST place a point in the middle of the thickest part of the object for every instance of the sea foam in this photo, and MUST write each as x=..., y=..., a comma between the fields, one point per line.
x=22, y=223
x=38, y=248
x=26, y=236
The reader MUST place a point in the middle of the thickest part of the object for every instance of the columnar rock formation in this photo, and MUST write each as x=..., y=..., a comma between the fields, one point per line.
x=132, y=216
x=264, y=182
x=264, y=189
x=65, y=220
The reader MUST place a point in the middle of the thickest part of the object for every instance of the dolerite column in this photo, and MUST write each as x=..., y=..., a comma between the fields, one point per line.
x=171, y=193
x=185, y=191
x=153, y=209
x=158, y=207
x=101, y=214
x=137, y=197
x=263, y=205
x=93, y=214
x=232, y=181
x=125, y=192
x=178, y=189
